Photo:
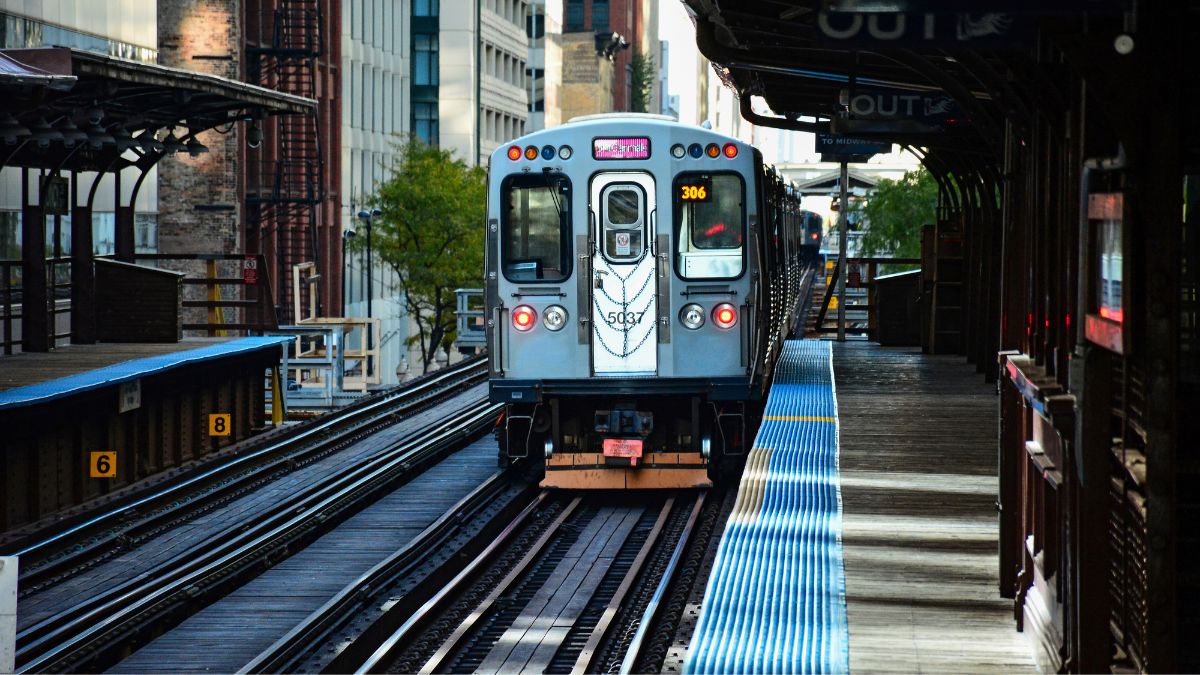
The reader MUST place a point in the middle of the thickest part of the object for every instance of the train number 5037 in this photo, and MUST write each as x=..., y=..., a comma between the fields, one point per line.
x=625, y=318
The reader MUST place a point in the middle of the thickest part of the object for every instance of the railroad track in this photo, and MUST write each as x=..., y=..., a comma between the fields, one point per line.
x=91, y=633
x=58, y=551
x=570, y=584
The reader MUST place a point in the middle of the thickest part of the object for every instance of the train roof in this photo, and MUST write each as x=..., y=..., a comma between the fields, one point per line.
x=611, y=124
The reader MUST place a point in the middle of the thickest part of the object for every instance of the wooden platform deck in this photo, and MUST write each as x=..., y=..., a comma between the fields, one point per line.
x=918, y=472
x=26, y=368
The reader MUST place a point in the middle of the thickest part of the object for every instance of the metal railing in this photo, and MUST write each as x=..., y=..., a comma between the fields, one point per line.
x=470, y=320
x=254, y=299
x=12, y=291
x=860, y=277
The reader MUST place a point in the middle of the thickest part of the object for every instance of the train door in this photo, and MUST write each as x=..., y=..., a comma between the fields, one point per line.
x=624, y=297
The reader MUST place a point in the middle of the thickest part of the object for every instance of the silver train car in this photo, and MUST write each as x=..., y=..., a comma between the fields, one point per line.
x=640, y=277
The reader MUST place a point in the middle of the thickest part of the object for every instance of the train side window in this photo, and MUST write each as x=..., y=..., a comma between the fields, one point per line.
x=536, y=227
x=710, y=224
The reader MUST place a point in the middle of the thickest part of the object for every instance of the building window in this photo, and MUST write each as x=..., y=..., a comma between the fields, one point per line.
x=425, y=122
x=600, y=15
x=535, y=25
x=425, y=7
x=425, y=59
x=145, y=232
x=574, y=22
x=10, y=235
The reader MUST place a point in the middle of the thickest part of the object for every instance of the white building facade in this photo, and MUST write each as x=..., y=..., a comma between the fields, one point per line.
x=376, y=73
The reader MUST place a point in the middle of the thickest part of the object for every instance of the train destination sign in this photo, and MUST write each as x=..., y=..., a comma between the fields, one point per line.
x=637, y=147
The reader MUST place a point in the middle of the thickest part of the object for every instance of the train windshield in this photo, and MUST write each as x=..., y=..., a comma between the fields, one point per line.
x=710, y=222
x=536, y=227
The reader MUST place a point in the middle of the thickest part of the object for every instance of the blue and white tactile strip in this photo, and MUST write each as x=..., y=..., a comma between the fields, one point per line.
x=776, y=600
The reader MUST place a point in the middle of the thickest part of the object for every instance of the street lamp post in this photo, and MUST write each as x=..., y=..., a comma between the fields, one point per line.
x=367, y=216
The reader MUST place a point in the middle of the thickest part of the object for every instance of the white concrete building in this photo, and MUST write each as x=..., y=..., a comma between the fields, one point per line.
x=482, y=94
x=452, y=74
x=543, y=73
x=375, y=115
x=123, y=28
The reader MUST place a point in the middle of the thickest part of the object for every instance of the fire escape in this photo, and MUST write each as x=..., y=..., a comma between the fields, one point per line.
x=284, y=185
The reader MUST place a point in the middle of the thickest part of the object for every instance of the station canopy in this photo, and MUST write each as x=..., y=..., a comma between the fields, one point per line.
x=921, y=73
x=73, y=110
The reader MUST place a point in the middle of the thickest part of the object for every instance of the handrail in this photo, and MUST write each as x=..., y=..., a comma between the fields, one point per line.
x=259, y=310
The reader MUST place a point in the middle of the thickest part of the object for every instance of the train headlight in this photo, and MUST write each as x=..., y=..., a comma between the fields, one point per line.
x=564, y=152
x=725, y=315
x=678, y=151
x=555, y=317
x=692, y=316
x=524, y=317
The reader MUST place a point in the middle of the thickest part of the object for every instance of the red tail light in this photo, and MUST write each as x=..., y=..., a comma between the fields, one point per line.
x=524, y=317
x=730, y=150
x=514, y=153
x=724, y=315
x=814, y=236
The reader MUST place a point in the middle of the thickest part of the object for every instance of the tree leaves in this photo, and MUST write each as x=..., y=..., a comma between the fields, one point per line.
x=431, y=232
x=895, y=212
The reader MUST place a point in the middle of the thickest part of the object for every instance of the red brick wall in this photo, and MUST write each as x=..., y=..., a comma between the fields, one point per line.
x=328, y=89
x=200, y=204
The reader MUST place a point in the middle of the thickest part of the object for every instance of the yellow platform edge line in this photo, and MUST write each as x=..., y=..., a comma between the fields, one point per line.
x=797, y=418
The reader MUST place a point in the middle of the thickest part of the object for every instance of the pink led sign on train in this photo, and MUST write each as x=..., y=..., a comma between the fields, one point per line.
x=621, y=148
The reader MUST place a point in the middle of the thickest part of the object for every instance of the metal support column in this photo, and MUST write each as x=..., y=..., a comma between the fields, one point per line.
x=843, y=230
x=34, y=297
x=83, y=277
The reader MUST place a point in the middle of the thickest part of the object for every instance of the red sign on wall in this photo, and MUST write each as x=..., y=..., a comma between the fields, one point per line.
x=250, y=271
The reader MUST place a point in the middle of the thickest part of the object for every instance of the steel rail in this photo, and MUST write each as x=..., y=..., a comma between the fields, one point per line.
x=81, y=632
x=322, y=436
x=584, y=662
x=385, y=652
x=315, y=629
x=648, y=616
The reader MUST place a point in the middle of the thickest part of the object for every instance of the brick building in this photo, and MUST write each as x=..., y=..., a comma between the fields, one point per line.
x=279, y=197
x=636, y=21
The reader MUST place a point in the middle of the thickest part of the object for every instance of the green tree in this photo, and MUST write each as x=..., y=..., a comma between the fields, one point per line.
x=431, y=232
x=642, y=81
x=895, y=212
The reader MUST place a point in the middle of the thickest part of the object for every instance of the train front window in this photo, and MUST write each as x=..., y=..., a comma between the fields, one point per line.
x=536, y=227
x=710, y=223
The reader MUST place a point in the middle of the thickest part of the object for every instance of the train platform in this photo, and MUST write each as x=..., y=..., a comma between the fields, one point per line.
x=87, y=420
x=863, y=537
